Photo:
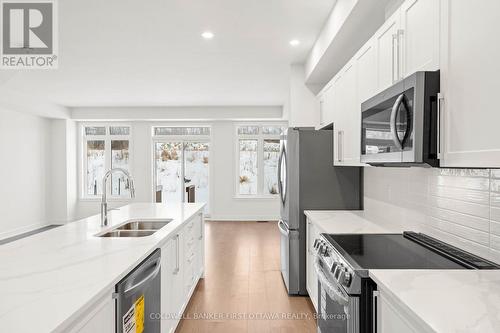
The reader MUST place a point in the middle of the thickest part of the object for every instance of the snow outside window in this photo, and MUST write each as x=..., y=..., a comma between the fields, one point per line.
x=105, y=147
x=258, y=154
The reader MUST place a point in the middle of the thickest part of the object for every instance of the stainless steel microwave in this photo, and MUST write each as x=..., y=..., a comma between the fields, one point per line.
x=399, y=126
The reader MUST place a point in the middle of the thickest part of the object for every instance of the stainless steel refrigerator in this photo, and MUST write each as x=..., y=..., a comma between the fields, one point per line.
x=308, y=180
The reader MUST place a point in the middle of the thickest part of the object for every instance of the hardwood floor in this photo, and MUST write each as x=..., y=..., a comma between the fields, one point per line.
x=243, y=290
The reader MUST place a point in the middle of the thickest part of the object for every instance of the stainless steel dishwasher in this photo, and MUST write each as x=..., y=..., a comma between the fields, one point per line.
x=138, y=307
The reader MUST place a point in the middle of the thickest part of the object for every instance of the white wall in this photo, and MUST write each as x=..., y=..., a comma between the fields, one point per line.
x=223, y=205
x=24, y=142
x=62, y=191
x=303, y=108
x=459, y=206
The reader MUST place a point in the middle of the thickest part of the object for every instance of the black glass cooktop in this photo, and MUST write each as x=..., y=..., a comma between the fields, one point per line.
x=398, y=251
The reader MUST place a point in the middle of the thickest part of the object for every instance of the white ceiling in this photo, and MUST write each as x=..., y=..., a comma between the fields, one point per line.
x=145, y=53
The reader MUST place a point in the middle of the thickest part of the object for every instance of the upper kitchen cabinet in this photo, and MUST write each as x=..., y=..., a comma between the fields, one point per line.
x=346, y=122
x=419, y=36
x=366, y=69
x=325, y=106
x=408, y=42
x=470, y=83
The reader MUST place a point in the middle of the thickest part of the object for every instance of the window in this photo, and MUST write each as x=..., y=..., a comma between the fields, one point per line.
x=105, y=147
x=181, y=164
x=258, y=155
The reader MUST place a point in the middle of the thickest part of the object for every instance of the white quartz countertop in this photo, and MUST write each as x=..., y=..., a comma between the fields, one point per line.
x=49, y=279
x=446, y=300
x=348, y=222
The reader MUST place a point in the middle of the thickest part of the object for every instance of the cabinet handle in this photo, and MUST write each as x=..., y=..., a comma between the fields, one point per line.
x=394, y=38
x=400, y=54
x=177, y=254
x=201, y=227
x=340, y=146
x=440, y=98
x=375, y=296
x=321, y=116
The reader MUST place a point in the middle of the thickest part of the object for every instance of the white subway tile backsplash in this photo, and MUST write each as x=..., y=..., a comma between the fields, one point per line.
x=495, y=242
x=458, y=206
x=482, y=211
x=460, y=218
x=474, y=196
x=471, y=183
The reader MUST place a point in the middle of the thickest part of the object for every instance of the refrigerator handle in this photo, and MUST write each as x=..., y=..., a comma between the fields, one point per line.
x=283, y=229
x=280, y=160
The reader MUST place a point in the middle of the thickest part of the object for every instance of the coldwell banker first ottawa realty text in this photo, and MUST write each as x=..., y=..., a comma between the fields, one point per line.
x=29, y=34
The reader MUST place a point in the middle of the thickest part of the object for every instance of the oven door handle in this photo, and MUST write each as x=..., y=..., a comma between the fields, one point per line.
x=332, y=289
x=400, y=101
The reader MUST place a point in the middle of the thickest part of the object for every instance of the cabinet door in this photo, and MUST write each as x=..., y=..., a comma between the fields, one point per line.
x=172, y=295
x=349, y=144
x=100, y=319
x=199, y=235
x=391, y=318
x=386, y=40
x=366, y=69
x=469, y=81
x=328, y=105
x=335, y=98
x=311, y=279
x=420, y=36
x=321, y=103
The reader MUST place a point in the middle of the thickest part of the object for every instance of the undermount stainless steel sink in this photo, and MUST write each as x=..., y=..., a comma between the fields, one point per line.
x=136, y=228
x=128, y=233
x=144, y=225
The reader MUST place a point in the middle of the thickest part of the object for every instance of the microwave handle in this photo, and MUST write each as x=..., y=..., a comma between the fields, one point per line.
x=401, y=100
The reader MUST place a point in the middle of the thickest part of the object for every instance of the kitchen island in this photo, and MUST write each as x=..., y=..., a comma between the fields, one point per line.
x=62, y=279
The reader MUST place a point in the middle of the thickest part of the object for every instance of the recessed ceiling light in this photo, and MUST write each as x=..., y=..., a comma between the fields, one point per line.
x=207, y=35
x=294, y=42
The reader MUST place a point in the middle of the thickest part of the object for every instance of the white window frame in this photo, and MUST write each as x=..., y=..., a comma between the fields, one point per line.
x=107, y=138
x=182, y=138
x=260, y=158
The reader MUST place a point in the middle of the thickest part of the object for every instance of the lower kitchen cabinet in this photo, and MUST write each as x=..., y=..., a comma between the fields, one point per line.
x=182, y=267
x=312, y=233
x=100, y=319
x=391, y=318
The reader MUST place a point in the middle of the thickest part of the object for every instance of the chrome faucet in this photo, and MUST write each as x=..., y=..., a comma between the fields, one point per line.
x=104, y=201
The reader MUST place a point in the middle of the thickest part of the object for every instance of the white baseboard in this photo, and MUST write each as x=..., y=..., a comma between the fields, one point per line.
x=21, y=230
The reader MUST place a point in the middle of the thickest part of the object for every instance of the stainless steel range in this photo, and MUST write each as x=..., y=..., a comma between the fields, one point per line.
x=347, y=295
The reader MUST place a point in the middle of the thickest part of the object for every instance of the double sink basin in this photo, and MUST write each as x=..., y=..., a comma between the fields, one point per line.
x=136, y=228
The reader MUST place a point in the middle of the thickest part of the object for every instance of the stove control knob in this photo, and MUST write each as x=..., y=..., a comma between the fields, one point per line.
x=316, y=243
x=347, y=279
x=324, y=251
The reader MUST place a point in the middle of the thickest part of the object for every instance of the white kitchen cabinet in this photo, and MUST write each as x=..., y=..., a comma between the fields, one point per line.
x=408, y=42
x=172, y=293
x=312, y=233
x=366, y=73
x=469, y=83
x=392, y=318
x=419, y=37
x=347, y=118
x=199, y=233
x=388, y=55
x=326, y=106
x=182, y=267
x=99, y=319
